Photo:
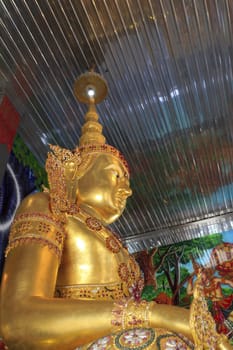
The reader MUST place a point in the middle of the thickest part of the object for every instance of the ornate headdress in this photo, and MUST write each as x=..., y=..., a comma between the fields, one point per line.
x=63, y=164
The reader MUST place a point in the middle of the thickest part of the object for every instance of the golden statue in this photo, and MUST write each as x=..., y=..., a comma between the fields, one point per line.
x=68, y=281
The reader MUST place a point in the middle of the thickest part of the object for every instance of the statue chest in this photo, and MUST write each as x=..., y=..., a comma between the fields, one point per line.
x=94, y=258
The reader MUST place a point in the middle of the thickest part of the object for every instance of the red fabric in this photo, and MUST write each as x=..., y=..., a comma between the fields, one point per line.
x=218, y=315
x=226, y=302
x=9, y=121
x=2, y=345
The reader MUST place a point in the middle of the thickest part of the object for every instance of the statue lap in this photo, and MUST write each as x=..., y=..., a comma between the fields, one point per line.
x=141, y=339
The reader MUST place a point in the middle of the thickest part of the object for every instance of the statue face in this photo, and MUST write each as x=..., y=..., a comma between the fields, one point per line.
x=103, y=189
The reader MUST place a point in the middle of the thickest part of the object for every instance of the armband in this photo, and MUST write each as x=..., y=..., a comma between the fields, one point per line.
x=128, y=314
x=37, y=228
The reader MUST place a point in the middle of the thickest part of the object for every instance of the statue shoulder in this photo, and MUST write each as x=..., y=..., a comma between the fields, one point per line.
x=35, y=202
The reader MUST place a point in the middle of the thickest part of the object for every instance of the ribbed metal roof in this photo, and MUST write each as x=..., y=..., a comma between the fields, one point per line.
x=168, y=64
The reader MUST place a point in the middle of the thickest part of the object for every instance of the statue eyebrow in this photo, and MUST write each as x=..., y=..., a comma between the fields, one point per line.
x=114, y=167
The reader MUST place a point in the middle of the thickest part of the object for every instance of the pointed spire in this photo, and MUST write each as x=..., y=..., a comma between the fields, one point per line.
x=92, y=129
x=91, y=88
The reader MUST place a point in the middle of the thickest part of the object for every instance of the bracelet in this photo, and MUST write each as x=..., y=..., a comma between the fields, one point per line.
x=129, y=313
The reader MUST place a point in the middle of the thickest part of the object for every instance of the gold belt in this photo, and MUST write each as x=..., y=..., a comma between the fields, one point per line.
x=112, y=291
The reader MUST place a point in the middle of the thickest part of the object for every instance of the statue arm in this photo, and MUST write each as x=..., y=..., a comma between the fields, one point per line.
x=33, y=318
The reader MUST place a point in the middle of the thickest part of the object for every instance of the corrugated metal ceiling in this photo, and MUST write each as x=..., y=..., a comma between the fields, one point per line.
x=168, y=64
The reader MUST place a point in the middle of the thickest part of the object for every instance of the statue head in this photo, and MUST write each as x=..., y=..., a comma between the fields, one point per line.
x=93, y=177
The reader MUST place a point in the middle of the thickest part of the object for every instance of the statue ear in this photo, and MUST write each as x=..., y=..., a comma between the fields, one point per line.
x=70, y=172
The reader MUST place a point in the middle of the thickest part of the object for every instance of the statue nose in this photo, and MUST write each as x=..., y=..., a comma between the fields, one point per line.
x=129, y=192
x=124, y=186
x=126, y=189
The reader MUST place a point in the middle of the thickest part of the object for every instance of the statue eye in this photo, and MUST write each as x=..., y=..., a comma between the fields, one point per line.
x=116, y=174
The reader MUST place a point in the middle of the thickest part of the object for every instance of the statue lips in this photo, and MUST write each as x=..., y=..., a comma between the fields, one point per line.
x=120, y=203
x=121, y=196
